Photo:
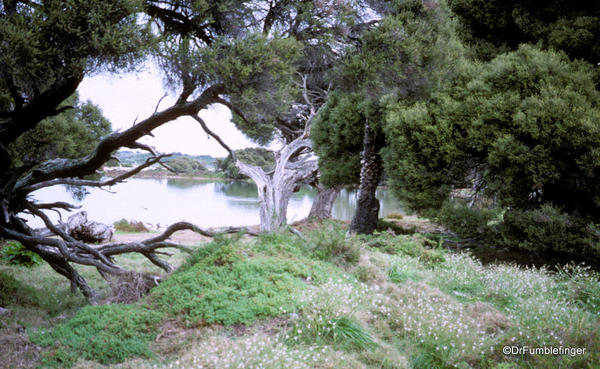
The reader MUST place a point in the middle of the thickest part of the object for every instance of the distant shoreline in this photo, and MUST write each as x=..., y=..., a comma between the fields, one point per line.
x=164, y=174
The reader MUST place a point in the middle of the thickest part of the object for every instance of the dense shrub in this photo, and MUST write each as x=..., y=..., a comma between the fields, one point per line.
x=185, y=165
x=466, y=222
x=221, y=285
x=548, y=229
x=426, y=250
x=329, y=243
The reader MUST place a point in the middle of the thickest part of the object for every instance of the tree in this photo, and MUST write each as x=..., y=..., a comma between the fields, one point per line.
x=47, y=49
x=523, y=128
x=270, y=104
x=71, y=134
x=398, y=58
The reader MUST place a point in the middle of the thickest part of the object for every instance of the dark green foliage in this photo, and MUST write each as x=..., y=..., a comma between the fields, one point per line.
x=495, y=26
x=15, y=253
x=125, y=225
x=71, y=134
x=524, y=125
x=548, y=229
x=43, y=44
x=467, y=222
x=405, y=57
x=545, y=230
x=185, y=165
x=106, y=334
x=337, y=136
x=256, y=71
x=252, y=155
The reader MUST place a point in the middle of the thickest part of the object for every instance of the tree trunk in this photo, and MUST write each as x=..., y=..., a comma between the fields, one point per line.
x=367, y=206
x=275, y=190
x=322, y=205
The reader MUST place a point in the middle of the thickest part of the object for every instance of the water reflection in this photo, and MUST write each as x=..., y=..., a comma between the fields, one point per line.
x=210, y=204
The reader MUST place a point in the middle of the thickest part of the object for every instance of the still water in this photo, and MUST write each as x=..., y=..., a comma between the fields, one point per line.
x=205, y=203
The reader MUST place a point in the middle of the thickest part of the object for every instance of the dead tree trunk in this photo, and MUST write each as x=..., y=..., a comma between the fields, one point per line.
x=275, y=190
x=322, y=206
x=295, y=164
x=367, y=205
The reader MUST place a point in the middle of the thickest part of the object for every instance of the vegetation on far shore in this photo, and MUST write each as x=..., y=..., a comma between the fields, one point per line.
x=321, y=301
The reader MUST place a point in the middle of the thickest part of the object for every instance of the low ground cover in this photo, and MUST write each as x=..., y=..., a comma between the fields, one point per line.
x=317, y=301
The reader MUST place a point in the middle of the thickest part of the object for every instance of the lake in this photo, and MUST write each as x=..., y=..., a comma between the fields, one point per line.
x=204, y=203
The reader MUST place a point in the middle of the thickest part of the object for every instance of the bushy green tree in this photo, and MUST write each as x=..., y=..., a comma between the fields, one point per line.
x=71, y=134
x=525, y=127
x=337, y=136
x=405, y=56
x=520, y=127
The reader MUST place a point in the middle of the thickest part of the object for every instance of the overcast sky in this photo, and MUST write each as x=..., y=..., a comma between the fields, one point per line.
x=125, y=97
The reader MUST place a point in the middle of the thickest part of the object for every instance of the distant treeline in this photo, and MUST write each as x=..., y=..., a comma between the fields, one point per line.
x=180, y=162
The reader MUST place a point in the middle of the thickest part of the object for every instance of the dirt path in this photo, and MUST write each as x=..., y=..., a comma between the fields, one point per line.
x=185, y=237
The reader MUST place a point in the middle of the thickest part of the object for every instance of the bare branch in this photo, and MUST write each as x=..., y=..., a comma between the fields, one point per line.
x=214, y=135
x=66, y=168
x=158, y=103
x=59, y=204
x=92, y=183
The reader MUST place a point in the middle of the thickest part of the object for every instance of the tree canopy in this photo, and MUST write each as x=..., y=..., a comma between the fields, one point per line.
x=404, y=56
x=71, y=134
x=492, y=27
x=523, y=127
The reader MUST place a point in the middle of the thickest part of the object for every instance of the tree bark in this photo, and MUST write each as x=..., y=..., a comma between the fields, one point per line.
x=275, y=190
x=367, y=206
x=322, y=205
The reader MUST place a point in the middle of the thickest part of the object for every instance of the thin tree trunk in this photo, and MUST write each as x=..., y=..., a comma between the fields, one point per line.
x=322, y=205
x=367, y=205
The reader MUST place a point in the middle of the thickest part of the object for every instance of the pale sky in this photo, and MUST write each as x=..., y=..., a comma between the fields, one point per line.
x=122, y=98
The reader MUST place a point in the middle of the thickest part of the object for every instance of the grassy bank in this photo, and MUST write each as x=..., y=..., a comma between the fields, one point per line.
x=322, y=301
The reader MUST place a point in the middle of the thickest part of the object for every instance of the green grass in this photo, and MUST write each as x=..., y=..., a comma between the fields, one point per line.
x=317, y=301
x=227, y=282
x=106, y=334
